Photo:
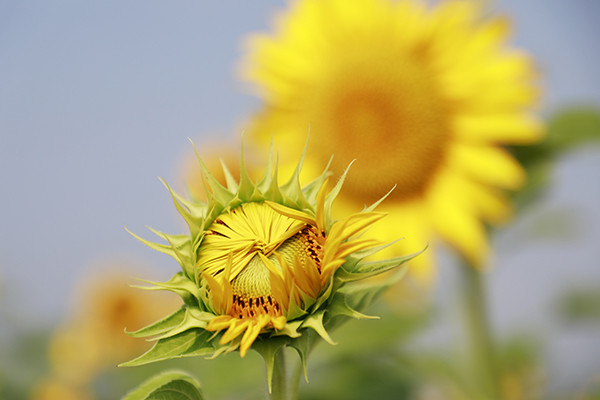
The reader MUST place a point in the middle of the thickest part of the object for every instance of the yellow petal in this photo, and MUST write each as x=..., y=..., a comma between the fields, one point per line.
x=456, y=221
x=219, y=323
x=487, y=164
x=409, y=222
x=507, y=129
x=236, y=327
x=254, y=328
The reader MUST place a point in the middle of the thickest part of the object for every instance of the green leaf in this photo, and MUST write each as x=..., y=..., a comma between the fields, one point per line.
x=567, y=129
x=170, y=385
x=193, y=342
x=573, y=127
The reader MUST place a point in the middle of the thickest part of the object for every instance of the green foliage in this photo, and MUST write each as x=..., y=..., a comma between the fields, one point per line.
x=171, y=385
x=572, y=127
x=22, y=358
x=370, y=360
x=580, y=305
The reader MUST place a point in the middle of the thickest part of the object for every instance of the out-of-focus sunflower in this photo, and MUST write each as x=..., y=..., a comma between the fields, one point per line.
x=55, y=389
x=422, y=98
x=93, y=337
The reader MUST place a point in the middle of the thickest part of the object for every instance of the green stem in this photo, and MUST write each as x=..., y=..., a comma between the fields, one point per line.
x=478, y=334
x=279, y=382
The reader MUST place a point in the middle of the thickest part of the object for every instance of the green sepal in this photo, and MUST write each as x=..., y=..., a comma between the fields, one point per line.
x=232, y=184
x=373, y=268
x=266, y=181
x=184, y=208
x=325, y=295
x=273, y=191
x=312, y=188
x=378, y=202
x=292, y=191
x=268, y=349
x=181, y=245
x=218, y=192
x=315, y=322
x=169, y=385
x=246, y=187
x=361, y=295
x=161, y=326
x=381, y=266
x=193, y=342
x=290, y=329
x=175, y=242
x=294, y=310
x=356, y=257
x=339, y=307
x=303, y=345
x=192, y=319
x=332, y=195
x=182, y=286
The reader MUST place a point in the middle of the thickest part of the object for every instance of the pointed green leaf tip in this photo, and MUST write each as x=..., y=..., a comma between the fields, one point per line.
x=341, y=291
x=170, y=385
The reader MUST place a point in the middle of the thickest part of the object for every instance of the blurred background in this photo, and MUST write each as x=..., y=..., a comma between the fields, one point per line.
x=98, y=99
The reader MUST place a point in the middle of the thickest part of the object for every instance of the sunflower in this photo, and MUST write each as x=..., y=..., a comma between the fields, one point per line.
x=423, y=99
x=92, y=338
x=263, y=266
x=53, y=388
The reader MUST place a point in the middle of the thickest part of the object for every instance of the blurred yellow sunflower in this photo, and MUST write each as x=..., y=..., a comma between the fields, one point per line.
x=423, y=98
x=55, y=389
x=93, y=337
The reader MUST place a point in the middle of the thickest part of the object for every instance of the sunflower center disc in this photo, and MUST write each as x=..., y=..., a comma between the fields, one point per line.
x=234, y=243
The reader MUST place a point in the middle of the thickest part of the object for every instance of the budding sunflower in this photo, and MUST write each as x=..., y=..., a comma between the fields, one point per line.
x=263, y=266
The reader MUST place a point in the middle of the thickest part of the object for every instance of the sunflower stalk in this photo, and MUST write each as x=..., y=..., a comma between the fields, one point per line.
x=295, y=381
x=478, y=333
x=279, y=385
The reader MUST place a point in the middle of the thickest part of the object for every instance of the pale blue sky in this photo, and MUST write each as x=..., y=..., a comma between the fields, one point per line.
x=98, y=98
